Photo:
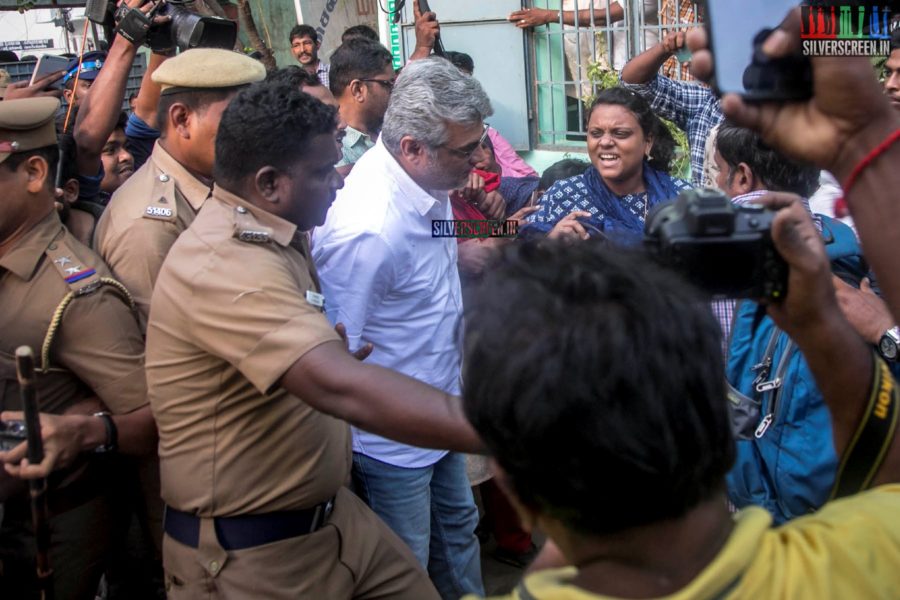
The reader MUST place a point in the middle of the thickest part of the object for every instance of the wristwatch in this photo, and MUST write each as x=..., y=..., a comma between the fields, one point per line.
x=889, y=345
x=112, y=434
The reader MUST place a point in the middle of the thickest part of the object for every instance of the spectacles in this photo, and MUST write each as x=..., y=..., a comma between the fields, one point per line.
x=387, y=83
x=467, y=151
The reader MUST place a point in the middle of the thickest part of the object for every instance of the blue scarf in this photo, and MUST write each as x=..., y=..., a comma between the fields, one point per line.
x=619, y=222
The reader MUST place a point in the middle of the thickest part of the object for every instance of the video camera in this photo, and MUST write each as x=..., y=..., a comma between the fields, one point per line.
x=723, y=249
x=184, y=29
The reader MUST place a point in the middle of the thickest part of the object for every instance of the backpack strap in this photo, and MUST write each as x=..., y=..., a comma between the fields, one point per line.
x=81, y=280
x=873, y=437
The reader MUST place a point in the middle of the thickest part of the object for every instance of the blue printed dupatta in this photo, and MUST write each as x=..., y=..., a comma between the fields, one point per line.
x=619, y=217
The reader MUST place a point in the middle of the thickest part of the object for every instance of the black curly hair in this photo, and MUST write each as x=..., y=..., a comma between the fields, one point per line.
x=663, y=150
x=269, y=123
x=594, y=428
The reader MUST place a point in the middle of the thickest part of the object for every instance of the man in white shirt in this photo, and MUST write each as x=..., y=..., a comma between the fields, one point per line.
x=392, y=284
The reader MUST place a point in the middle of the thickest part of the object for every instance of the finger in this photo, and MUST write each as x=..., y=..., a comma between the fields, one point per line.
x=15, y=455
x=341, y=331
x=30, y=471
x=679, y=40
x=575, y=214
x=364, y=352
x=579, y=230
x=12, y=415
x=416, y=12
x=697, y=40
x=840, y=286
x=753, y=116
x=48, y=79
x=866, y=286
x=778, y=200
x=523, y=212
x=786, y=39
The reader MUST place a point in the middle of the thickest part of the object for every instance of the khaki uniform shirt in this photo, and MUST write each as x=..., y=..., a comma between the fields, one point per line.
x=234, y=307
x=144, y=218
x=97, y=350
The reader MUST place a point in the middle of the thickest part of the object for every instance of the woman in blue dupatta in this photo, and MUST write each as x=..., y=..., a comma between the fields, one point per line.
x=630, y=149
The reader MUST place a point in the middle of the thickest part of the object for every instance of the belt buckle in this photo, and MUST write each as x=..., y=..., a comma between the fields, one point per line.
x=323, y=511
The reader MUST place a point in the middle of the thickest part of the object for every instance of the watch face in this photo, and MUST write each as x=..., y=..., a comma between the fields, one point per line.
x=888, y=348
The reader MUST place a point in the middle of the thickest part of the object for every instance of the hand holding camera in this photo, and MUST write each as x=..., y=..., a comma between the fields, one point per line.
x=163, y=25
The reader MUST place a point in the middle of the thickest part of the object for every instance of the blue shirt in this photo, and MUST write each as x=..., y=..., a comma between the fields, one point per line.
x=140, y=138
x=694, y=108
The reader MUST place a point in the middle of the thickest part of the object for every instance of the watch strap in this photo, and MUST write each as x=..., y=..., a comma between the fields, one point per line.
x=112, y=433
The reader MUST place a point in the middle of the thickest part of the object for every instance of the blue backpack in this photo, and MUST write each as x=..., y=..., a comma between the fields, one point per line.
x=786, y=460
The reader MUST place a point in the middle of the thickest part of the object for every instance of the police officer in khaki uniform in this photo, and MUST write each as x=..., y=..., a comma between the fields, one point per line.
x=59, y=299
x=148, y=212
x=252, y=388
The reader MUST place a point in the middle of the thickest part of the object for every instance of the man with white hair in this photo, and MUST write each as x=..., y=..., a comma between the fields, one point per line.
x=392, y=284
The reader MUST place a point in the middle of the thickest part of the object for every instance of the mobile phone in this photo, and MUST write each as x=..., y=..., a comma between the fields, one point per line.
x=12, y=433
x=736, y=30
x=438, y=44
x=48, y=64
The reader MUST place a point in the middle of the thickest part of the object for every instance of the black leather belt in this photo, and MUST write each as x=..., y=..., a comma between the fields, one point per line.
x=247, y=531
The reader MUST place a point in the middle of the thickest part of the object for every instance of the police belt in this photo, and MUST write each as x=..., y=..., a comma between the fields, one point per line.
x=248, y=531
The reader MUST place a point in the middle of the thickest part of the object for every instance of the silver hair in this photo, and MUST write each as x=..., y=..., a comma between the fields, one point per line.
x=429, y=94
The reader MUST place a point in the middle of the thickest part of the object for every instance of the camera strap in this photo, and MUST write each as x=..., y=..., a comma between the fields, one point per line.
x=873, y=437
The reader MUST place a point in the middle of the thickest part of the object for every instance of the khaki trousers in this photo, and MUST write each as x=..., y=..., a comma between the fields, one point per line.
x=354, y=555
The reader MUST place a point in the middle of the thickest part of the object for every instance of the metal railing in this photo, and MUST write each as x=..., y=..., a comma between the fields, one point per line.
x=569, y=63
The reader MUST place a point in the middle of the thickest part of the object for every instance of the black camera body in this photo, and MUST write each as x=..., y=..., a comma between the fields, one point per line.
x=724, y=249
x=184, y=29
x=12, y=433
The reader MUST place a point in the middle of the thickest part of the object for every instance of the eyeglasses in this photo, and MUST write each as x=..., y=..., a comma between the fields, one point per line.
x=387, y=83
x=467, y=151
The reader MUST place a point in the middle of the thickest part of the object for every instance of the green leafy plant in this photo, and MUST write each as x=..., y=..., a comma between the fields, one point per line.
x=602, y=77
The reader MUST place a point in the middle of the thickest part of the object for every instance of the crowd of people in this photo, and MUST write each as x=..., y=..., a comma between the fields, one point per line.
x=261, y=375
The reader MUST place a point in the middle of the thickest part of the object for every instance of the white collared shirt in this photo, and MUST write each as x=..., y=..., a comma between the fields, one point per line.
x=392, y=284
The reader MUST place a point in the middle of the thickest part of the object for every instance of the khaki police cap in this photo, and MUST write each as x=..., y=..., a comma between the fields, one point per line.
x=205, y=68
x=27, y=124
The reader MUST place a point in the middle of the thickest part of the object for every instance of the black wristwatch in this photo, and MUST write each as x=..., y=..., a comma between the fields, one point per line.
x=889, y=345
x=112, y=433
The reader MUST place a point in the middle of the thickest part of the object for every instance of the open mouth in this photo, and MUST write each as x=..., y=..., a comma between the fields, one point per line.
x=608, y=159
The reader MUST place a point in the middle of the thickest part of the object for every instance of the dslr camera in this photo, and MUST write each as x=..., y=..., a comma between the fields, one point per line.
x=185, y=29
x=723, y=249
x=12, y=433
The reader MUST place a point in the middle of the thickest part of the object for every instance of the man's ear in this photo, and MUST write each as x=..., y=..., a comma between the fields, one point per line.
x=68, y=95
x=413, y=150
x=358, y=90
x=743, y=180
x=38, y=171
x=268, y=182
x=527, y=515
x=71, y=190
x=180, y=117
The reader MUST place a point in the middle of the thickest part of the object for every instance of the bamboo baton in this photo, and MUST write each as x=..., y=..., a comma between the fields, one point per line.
x=35, y=454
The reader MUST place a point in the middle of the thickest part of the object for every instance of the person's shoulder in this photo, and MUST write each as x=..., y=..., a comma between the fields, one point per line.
x=850, y=547
x=570, y=186
x=682, y=184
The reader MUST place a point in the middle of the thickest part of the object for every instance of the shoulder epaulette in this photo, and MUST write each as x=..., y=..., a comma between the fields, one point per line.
x=82, y=279
x=247, y=229
x=162, y=206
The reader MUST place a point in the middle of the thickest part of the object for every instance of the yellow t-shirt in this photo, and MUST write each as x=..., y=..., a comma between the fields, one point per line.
x=849, y=549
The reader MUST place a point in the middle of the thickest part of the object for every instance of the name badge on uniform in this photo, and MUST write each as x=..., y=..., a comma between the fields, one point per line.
x=316, y=299
x=158, y=212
